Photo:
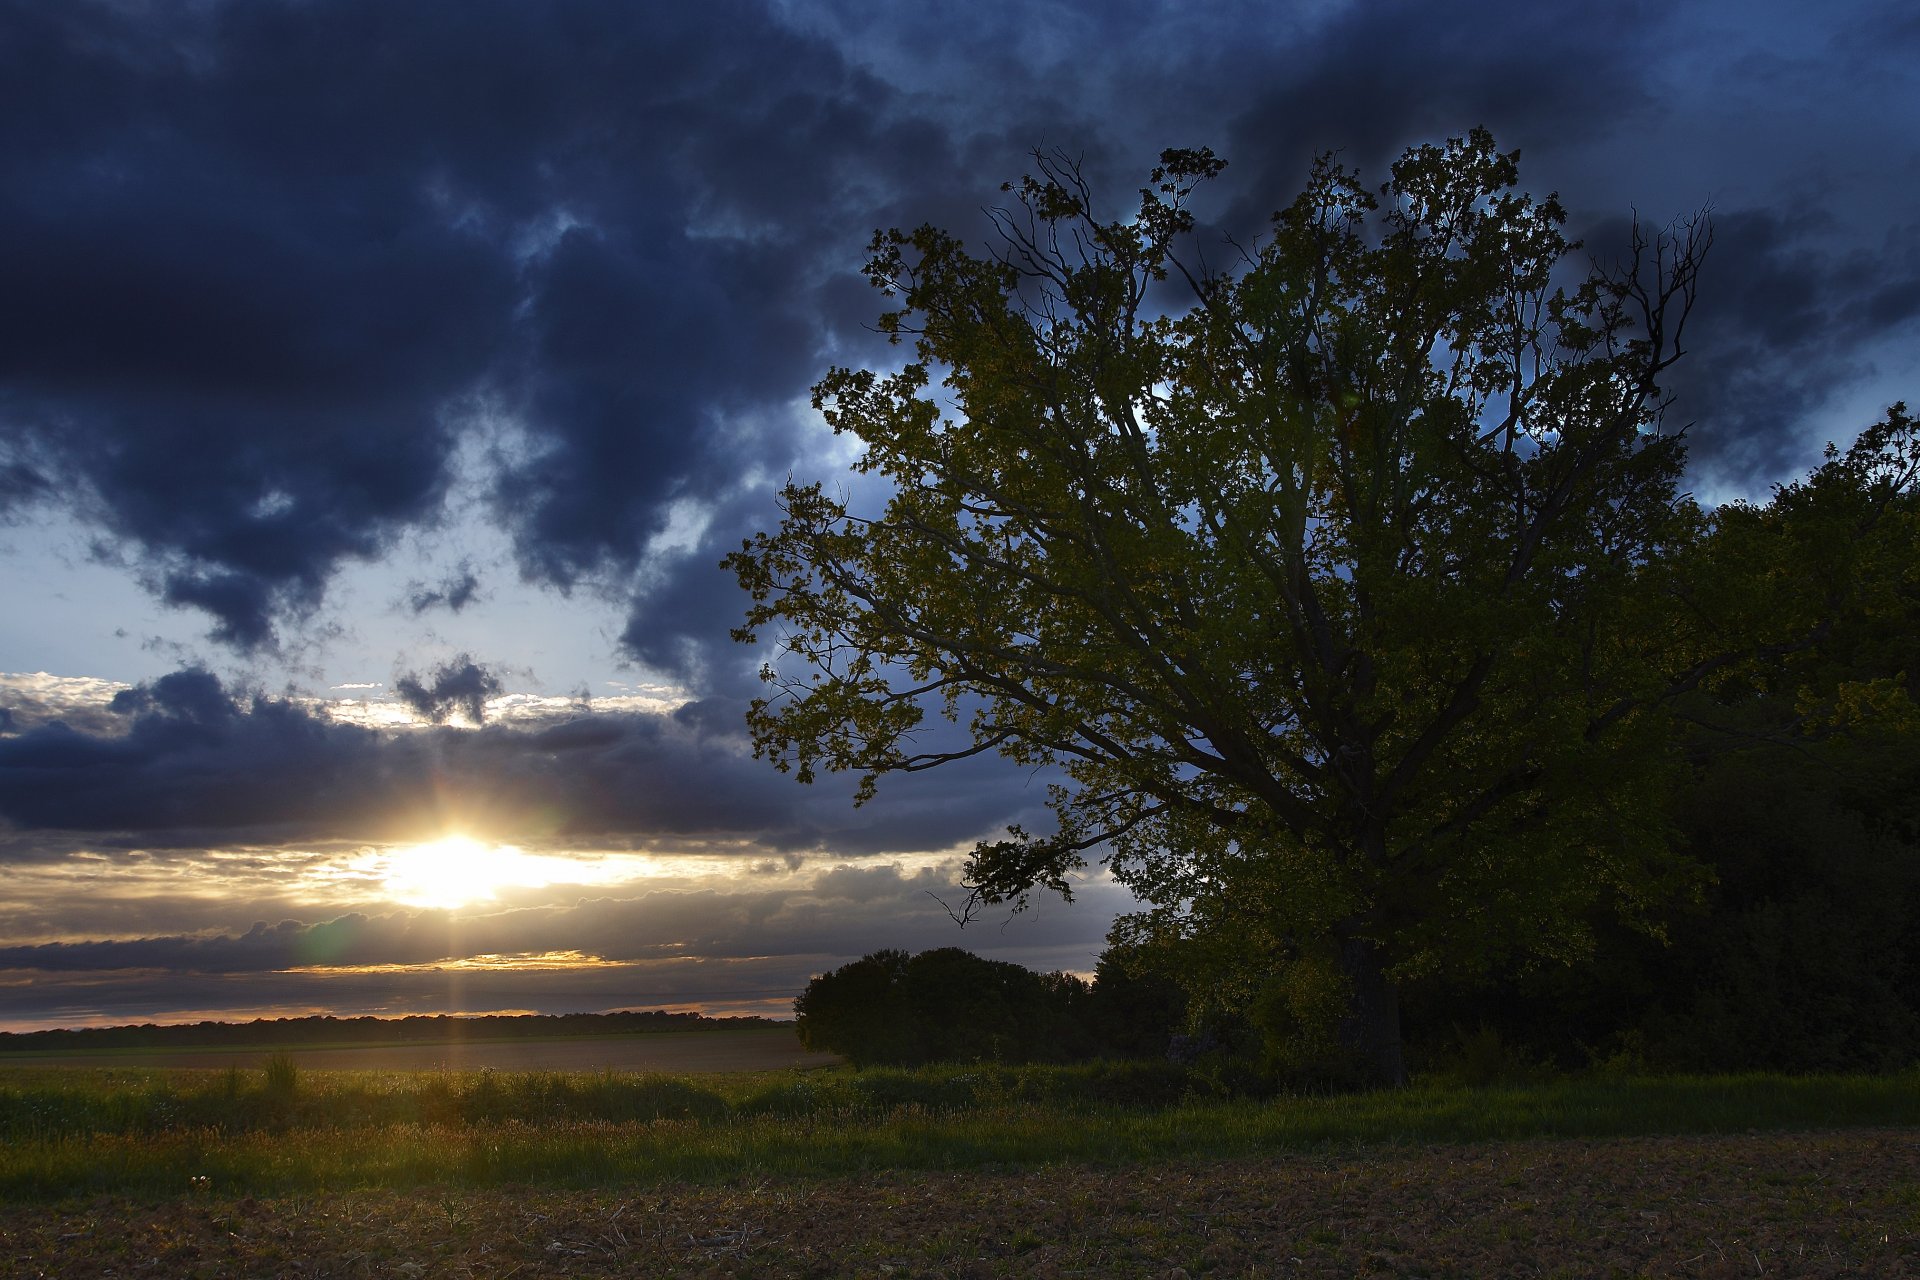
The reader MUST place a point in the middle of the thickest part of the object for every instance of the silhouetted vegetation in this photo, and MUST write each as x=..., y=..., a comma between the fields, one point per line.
x=1800, y=953
x=329, y=1030
x=1338, y=596
x=1361, y=607
x=949, y=1005
x=1797, y=798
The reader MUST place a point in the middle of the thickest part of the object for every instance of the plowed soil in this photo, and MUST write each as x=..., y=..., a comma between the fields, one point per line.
x=1812, y=1204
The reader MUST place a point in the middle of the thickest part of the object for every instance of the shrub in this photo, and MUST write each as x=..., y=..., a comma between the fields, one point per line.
x=282, y=1076
x=944, y=1005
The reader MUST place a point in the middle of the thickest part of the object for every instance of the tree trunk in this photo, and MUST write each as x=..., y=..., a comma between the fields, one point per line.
x=1370, y=1033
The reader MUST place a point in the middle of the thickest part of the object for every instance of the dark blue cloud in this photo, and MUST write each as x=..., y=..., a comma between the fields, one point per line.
x=20, y=485
x=191, y=759
x=236, y=312
x=453, y=593
x=197, y=764
x=193, y=696
x=638, y=344
x=1787, y=318
x=279, y=250
x=460, y=684
x=270, y=267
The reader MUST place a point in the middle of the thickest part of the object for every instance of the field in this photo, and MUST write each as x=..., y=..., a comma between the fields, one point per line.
x=1121, y=1170
x=749, y=1049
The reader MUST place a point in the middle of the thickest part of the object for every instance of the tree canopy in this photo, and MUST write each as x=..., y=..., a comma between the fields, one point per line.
x=1799, y=798
x=1344, y=586
x=947, y=1005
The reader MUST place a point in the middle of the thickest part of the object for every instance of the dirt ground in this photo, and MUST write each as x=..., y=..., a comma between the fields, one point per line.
x=1820, y=1204
x=677, y=1052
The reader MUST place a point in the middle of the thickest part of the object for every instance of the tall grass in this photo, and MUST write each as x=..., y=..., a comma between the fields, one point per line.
x=282, y=1076
x=162, y=1133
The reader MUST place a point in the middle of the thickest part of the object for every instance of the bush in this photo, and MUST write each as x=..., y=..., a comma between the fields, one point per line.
x=1151, y=1085
x=282, y=1076
x=860, y=1011
x=945, y=1005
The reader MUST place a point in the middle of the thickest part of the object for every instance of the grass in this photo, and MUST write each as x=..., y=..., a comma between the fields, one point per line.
x=680, y=1049
x=161, y=1132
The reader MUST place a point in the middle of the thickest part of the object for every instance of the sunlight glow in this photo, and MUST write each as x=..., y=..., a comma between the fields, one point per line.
x=459, y=871
x=456, y=871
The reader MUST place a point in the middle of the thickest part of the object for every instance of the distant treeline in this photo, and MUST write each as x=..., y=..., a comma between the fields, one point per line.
x=367, y=1030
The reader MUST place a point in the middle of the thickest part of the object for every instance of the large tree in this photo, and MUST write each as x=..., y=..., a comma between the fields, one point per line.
x=1336, y=584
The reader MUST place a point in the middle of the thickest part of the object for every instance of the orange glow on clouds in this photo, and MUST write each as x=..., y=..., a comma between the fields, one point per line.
x=490, y=962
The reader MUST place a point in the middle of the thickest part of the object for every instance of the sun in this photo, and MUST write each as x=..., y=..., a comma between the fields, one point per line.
x=457, y=871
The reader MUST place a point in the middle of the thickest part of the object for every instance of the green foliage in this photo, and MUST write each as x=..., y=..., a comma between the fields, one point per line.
x=1808, y=957
x=1135, y=1009
x=859, y=1011
x=282, y=1076
x=944, y=1005
x=1298, y=1013
x=945, y=1087
x=1800, y=801
x=84, y=1101
x=1483, y=1057
x=1340, y=600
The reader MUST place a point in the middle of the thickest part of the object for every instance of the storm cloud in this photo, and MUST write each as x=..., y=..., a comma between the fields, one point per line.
x=269, y=264
x=454, y=593
x=814, y=918
x=459, y=685
x=191, y=764
x=744, y=948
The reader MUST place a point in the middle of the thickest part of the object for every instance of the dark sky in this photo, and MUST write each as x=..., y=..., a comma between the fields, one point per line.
x=381, y=383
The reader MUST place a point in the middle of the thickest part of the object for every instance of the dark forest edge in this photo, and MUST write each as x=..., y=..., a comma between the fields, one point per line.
x=325, y=1029
x=1783, y=936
